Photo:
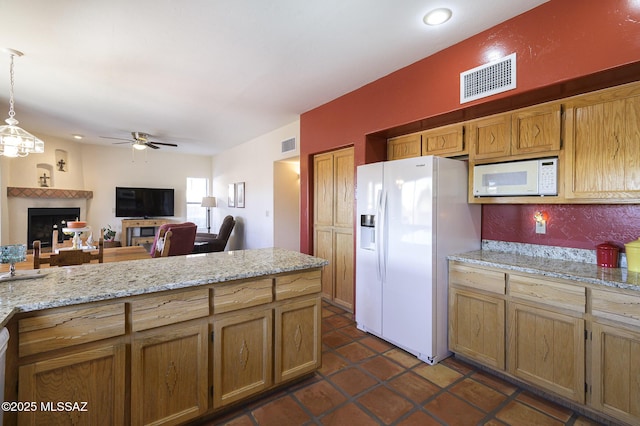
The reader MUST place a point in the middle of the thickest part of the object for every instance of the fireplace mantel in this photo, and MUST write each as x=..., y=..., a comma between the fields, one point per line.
x=13, y=191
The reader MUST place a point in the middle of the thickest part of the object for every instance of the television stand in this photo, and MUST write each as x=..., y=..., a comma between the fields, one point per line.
x=130, y=224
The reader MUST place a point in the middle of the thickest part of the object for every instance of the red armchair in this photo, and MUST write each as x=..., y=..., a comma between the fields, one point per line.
x=174, y=239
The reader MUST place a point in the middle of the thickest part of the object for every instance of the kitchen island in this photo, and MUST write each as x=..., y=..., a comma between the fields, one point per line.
x=569, y=329
x=160, y=341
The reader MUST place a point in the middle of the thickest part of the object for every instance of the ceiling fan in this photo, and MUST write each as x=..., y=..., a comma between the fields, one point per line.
x=140, y=141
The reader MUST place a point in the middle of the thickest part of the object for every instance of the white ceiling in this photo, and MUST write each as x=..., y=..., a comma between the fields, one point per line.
x=211, y=74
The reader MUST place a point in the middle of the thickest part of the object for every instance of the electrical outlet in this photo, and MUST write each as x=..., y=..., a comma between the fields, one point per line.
x=541, y=227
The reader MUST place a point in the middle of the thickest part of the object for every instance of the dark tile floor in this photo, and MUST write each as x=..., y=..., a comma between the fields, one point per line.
x=366, y=381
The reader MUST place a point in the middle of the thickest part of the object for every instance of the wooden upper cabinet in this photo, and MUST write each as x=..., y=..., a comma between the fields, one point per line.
x=323, y=188
x=522, y=132
x=603, y=144
x=536, y=129
x=490, y=137
x=344, y=182
x=406, y=146
x=444, y=140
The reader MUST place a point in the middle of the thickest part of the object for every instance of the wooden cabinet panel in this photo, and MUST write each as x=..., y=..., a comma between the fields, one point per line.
x=343, y=268
x=490, y=137
x=323, y=189
x=344, y=183
x=616, y=372
x=242, y=355
x=536, y=129
x=156, y=311
x=95, y=376
x=294, y=285
x=444, y=140
x=236, y=296
x=476, y=327
x=323, y=242
x=405, y=146
x=547, y=349
x=477, y=278
x=603, y=145
x=297, y=338
x=549, y=292
x=60, y=328
x=169, y=377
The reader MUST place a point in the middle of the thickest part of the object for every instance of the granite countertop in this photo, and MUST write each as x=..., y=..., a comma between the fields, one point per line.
x=589, y=273
x=64, y=286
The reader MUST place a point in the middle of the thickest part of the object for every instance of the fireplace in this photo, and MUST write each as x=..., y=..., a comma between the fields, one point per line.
x=41, y=220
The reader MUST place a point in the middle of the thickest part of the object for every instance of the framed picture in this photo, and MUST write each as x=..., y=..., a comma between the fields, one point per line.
x=232, y=195
x=240, y=194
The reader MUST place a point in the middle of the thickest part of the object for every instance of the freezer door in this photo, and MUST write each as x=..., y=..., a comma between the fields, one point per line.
x=407, y=293
x=368, y=284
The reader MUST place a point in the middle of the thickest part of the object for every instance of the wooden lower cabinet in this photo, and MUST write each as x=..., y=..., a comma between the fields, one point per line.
x=169, y=374
x=95, y=376
x=615, y=387
x=547, y=349
x=297, y=338
x=242, y=355
x=476, y=326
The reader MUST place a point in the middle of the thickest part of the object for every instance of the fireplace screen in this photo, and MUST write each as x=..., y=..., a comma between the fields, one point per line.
x=42, y=220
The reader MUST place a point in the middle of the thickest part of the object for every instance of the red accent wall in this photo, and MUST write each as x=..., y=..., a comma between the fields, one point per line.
x=558, y=45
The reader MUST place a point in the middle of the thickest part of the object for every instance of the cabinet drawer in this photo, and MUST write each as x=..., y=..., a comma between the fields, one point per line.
x=59, y=329
x=295, y=285
x=554, y=293
x=238, y=296
x=478, y=278
x=156, y=311
x=616, y=306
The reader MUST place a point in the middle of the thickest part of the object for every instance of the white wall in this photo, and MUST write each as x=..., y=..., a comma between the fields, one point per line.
x=97, y=168
x=252, y=163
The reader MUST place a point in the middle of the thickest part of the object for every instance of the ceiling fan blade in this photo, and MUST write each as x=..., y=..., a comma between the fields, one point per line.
x=163, y=143
x=150, y=145
x=119, y=139
x=121, y=143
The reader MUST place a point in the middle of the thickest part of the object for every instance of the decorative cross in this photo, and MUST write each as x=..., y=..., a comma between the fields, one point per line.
x=61, y=165
x=43, y=180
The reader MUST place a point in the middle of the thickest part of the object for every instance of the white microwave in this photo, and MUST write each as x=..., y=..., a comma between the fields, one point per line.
x=516, y=178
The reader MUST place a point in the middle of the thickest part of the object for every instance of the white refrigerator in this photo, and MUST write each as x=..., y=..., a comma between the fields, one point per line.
x=411, y=214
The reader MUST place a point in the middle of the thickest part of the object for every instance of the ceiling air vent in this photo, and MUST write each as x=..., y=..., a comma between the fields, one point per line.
x=488, y=79
x=289, y=145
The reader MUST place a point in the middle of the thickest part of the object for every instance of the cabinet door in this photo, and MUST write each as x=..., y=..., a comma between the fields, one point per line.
x=323, y=248
x=344, y=178
x=406, y=146
x=323, y=190
x=95, y=376
x=490, y=137
x=536, y=129
x=616, y=372
x=297, y=337
x=547, y=349
x=476, y=326
x=169, y=377
x=242, y=355
x=602, y=145
x=443, y=141
x=343, y=261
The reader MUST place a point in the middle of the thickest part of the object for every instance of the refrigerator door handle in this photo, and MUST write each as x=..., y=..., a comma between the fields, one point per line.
x=381, y=238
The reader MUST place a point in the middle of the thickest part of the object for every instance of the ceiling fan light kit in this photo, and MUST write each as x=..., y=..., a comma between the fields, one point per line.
x=14, y=141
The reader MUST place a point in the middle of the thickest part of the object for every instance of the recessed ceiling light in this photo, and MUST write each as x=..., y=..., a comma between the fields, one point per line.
x=78, y=137
x=437, y=16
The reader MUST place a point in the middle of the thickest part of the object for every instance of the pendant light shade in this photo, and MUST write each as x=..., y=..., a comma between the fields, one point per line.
x=14, y=141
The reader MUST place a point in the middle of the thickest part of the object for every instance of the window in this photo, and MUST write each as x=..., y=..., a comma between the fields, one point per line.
x=196, y=189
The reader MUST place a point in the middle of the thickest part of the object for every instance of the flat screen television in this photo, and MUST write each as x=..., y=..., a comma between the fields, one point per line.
x=144, y=202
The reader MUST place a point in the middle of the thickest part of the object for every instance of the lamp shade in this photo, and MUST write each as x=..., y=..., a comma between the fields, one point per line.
x=209, y=202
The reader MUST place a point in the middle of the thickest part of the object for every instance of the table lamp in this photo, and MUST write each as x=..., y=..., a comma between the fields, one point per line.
x=209, y=202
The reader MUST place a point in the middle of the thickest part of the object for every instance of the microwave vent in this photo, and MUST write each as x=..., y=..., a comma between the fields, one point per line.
x=288, y=145
x=488, y=79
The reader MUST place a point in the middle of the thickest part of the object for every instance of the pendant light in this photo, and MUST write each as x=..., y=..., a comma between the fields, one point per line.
x=14, y=141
